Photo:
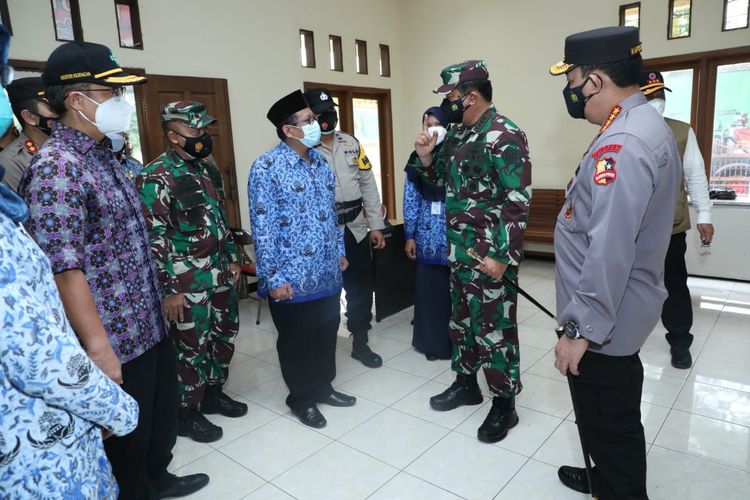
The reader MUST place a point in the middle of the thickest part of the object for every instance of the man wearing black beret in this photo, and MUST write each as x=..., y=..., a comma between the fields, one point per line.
x=611, y=238
x=300, y=256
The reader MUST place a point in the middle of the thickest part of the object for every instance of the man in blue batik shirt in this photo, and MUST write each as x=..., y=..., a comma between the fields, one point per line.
x=427, y=243
x=300, y=256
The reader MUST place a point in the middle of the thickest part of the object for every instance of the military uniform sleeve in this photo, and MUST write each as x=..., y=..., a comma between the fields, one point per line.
x=44, y=361
x=156, y=201
x=264, y=212
x=434, y=174
x=513, y=169
x=621, y=186
x=56, y=196
x=228, y=243
x=369, y=188
x=411, y=209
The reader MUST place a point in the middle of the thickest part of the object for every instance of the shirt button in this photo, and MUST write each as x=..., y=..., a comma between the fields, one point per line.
x=588, y=328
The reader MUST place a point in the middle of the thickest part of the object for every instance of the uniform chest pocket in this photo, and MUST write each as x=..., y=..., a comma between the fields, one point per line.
x=190, y=204
x=217, y=181
x=474, y=165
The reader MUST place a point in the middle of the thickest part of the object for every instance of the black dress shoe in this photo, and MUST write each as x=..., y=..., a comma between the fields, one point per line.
x=430, y=357
x=311, y=417
x=336, y=398
x=681, y=357
x=192, y=424
x=362, y=352
x=464, y=391
x=171, y=486
x=574, y=478
x=501, y=418
x=215, y=401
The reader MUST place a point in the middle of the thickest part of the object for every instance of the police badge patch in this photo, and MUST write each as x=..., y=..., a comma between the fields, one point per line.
x=605, y=171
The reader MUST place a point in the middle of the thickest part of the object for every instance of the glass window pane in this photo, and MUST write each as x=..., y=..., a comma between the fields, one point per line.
x=125, y=25
x=134, y=133
x=632, y=16
x=735, y=14
x=367, y=130
x=680, y=100
x=730, y=152
x=680, y=17
x=63, y=20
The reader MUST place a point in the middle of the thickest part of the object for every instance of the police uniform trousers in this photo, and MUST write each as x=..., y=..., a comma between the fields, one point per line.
x=677, y=312
x=483, y=328
x=204, y=341
x=358, y=283
x=432, y=310
x=608, y=401
x=140, y=459
x=307, y=347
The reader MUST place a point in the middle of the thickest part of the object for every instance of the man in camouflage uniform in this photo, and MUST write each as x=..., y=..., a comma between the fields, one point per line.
x=183, y=198
x=484, y=165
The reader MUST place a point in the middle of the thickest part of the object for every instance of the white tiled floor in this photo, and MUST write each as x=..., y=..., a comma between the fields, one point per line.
x=391, y=445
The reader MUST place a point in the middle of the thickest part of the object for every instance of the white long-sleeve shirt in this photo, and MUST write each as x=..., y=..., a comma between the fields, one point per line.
x=696, y=183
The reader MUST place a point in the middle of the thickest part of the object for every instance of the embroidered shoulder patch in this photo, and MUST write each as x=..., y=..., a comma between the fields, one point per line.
x=605, y=171
x=363, y=161
x=609, y=148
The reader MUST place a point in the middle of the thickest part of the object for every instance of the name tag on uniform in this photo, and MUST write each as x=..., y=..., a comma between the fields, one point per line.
x=435, y=208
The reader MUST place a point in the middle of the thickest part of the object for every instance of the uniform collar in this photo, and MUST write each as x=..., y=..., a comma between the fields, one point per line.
x=488, y=114
x=175, y=157
x=27, y=144
x=292, y=157
x=82, y=142
x=622, y=107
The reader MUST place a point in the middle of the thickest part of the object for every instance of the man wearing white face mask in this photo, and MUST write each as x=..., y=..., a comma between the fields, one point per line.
x=677, y=312
x=86, y=216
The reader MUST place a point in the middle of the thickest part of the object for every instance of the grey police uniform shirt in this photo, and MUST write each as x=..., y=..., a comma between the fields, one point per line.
x=15, y=159
x=612, y=234
x=352, y=182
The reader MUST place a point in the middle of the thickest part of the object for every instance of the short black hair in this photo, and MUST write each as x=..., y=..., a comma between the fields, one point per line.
x=622, y=73
x=288, y=121
x=56, y=95
x=29, y=104
x=483, y=88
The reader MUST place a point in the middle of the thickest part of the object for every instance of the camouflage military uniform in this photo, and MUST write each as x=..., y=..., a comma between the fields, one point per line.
x=193, y=247
x=487, y=174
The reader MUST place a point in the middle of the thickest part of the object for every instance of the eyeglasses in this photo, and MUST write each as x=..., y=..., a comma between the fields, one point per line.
x=115, y=91
x=309, y=121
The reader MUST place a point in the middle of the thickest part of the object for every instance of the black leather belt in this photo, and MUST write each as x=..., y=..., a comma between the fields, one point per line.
x=347, y=211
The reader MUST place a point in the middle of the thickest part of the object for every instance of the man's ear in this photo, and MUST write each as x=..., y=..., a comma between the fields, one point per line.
x=28, y=118
x=287, y=129
x=597, y=79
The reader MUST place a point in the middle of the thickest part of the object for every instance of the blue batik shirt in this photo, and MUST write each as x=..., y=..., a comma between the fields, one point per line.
x=294, y=226
x=424, y=219
x=53, y=400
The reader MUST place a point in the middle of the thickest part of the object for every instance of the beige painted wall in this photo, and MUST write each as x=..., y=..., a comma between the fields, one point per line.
x=254, y=44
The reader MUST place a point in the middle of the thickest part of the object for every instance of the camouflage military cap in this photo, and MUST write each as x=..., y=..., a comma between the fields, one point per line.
x=190, y=113
x=461, y=72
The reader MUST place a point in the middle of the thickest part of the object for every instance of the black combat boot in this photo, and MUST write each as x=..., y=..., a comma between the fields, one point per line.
x=361, y=351
x=215, y=401
x=501, y=418
x=464, y=391
x=191, y=423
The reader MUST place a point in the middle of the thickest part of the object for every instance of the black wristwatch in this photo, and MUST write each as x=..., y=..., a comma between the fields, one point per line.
x=570, y=329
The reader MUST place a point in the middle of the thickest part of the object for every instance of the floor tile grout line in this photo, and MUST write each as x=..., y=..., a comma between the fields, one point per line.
x=702, y=458
x=528, y=459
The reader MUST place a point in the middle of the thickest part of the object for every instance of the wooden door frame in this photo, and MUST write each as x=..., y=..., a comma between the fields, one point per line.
x=385, y=124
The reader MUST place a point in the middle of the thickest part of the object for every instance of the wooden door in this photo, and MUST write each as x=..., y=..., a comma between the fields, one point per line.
x=163, y=89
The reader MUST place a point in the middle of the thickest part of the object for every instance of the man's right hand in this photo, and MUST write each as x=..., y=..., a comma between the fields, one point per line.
x=284, y=292
x=411, y=249
x=174, y=307
x=105, y=359
x=425, y=145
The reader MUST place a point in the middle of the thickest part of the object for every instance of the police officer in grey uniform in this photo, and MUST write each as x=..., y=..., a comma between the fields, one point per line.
x=34, y=115
x=358, y=206
x=611, y=238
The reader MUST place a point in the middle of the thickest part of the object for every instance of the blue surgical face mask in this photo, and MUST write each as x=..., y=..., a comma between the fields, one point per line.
x=312, y=134
x=6, y=113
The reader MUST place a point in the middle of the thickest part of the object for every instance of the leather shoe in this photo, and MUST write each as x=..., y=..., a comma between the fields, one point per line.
x=192, y=424
x=501, y=418
x=215, y=401
x=464, y=391
x=336, y=398
x=574, y=478
x=171, y=486
x=368, y=358
x=430, y=357
x=681, y=357
x=311, y=417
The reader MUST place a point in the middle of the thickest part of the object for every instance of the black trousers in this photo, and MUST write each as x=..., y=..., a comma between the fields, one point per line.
x=140, y=459
x=307, y=347
x=432, y=310
x=608, y=402
x=677, y=312
x=358, y=283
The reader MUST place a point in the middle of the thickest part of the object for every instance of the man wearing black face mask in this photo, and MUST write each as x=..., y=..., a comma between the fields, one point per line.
x=611, y=239
x=195, y=254
x=34, y=114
